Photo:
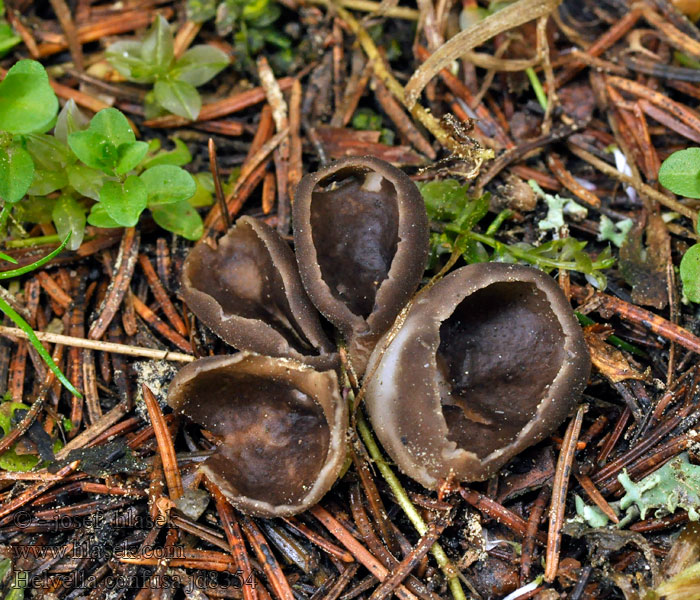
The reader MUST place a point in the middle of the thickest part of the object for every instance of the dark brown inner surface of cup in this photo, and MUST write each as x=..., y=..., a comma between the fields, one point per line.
x=245, y=282
x=275, y=437
x=499, y=351
x=355, y=233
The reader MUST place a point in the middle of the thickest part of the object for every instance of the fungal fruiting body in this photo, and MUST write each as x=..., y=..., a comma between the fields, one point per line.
x=486, y=363
x=361, y=241
x=282, y=427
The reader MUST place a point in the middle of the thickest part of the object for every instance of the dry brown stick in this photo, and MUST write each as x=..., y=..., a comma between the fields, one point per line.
x=498, y=512
x=605, y=41
x=221, y=108
x=53, y=289
x=25, y=34
x=647, y=319
x=401, y=120
x=559, y=489
x=30, y=493
x=556, y=166
x=91, y=32
x=165, y=444
x=273, y=571
x=491, y=128
x=320, y=541
x=55, y=338
x=159, y=325
x=235, y=539
x=680, y=111
x=92, y=400
x=295, y=170
x=593, y=493
x=262, y=135
x=66, y=20
x=126, y=261
x=642, y=188
x=533, y=523
x=269, y=191
x=357, y=549
x=21, y=428
x=410, y=562
x=280, y=116
x=185, y=36
x=161, y=295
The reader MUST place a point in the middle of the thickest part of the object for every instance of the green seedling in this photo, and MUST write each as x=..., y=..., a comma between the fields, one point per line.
x=18, y=320
x=88, y=171
x=455, y=215
x=680, y=173
x=175, y=81
x=252, y=24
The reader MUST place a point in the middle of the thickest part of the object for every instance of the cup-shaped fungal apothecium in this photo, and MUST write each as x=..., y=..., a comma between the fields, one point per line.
x=486, y=363
x=248, y=291
x=361, y=241
x=282, y=427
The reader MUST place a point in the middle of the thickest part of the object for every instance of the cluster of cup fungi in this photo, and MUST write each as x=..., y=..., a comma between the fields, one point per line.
x=478, y=367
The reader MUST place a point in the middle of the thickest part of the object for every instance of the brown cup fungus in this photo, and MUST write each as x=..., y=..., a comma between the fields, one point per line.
x=486, y=363
x=248, y=291
x=361, y=240
x=282, y=427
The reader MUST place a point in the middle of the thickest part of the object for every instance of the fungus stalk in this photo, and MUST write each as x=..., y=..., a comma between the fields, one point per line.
x=402, y=498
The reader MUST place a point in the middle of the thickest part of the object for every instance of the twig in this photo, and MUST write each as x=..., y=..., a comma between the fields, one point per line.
x=559, y=489
x=165, y=444
x=55, y=338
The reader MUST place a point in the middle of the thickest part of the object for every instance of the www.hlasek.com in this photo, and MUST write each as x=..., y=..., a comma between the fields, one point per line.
x=80, y=580
x=95, y=551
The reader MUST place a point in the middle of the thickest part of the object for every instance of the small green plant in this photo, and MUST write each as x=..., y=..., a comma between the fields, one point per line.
x=252, y=26
x=87, y=171
x=175, y=81
x=455, y=216
x=8, y=38
x=18, y=320
x=680, y=173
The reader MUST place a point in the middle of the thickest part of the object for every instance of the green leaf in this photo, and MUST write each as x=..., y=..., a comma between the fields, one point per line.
x=180, y=218
x=47, y=151
x=690, y=273
x=157, y=46
x=69, y=120
x=179, y=156
x=16, y=173
x=130, y=155
x=34, y=209
x=85, y=180
x=113, y=125
x=200, y=64
x=8, y=38
x=11, y=461
x=46, y=182
x=69, y=219
x=124, y=202
x=98, y=217
x=27, y=102
x=179, y=98
x=166, y=184
x=204, y=195
x=680, y=173
x=93, y=149
x=31, y=336
x=444, y=200
x=201, y=10
x=126, y=58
